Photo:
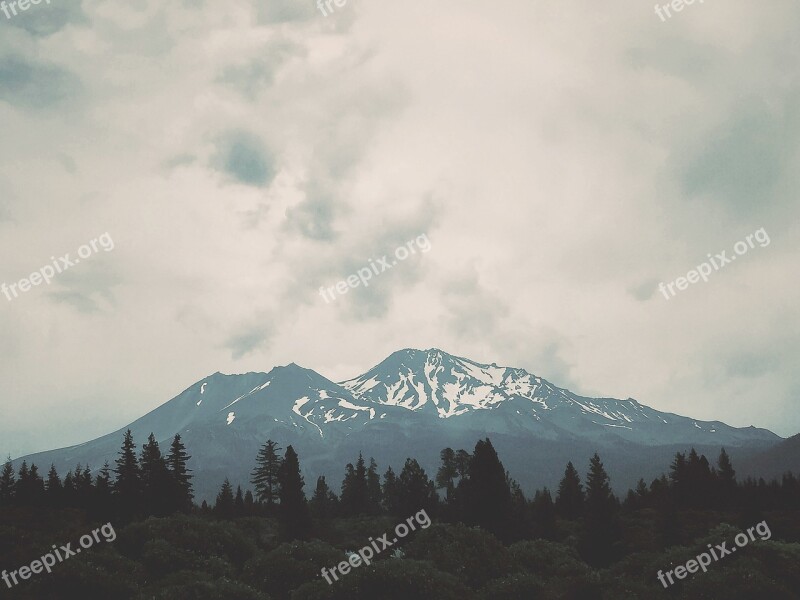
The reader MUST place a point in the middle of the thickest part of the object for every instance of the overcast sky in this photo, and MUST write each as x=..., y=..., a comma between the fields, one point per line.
x=563, y=158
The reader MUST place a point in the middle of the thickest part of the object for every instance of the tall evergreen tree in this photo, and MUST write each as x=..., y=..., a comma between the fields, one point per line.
x=156, y=479
x=8, y=482
x=726, y=480
x=391, y=497
x=223, y=507
x=103, y=496
x=37, y=489
x=374, y=495
x=181, y=489
x=293, y=512
x=238, y=502
x=127, y=485
x=448, y=471
x=323, y=503
x=265, y=475
x=544, y=515
x=355, y=497
x=54, y=489
x=569, y=500
x=23, y=488
x=415, y=491
x=600, y=528
x=485, y=493
x=84, y=492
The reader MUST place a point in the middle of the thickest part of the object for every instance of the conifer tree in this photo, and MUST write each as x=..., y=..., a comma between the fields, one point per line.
x=155, y=478
x=391, y=500
x=485, y=493
x=569, y=500
x=103, y=497
x=323, y=503
x=54, y=489
x=448, y=471
x=181, y=489
x=374, y=494
x=249, y=503
x=223, y=507
x=22, y=491
x=8, y=481
x=601, y=530
x=293, y=511
x=238, y=502
x=265, y=475
x=36, y=488
x=355, y=498
x=415, y=491
x=544, y=515
x=127, y=485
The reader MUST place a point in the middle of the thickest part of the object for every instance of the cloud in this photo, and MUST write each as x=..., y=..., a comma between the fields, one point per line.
x=49, y=18
x=255, y=338
x=244, y=158
x=37, y=86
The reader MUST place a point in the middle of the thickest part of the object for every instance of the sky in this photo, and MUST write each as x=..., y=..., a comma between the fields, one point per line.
x=230, y=159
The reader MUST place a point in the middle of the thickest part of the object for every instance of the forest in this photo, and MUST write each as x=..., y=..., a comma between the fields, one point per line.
x=487, y=539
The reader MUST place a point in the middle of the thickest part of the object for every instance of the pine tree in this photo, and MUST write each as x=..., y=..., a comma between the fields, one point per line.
x=323, y=503
x=103, y=497
x=447, y=473
x=601, y=530
x=726, y=478
x=374, y=495
x=181, y=489
x=544, y=515
x=223, y=508
x=415, y=491
x=485, y=493
x=463, y=459
x=22, y=491
x=569, y=500
x=355, y=497
x=68, y=495
x=55, y=491
x=156, y=479
x=238, y=502
x=83, y=487
x=265, y=475
x=36, y=486
x=127, y=485
x=8, y=482
x=391, y=499
x=249, y=503
x=293, y=511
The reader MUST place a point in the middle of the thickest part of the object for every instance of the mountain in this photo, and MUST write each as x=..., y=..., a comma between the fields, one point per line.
x=414, y=403
x=774, y=462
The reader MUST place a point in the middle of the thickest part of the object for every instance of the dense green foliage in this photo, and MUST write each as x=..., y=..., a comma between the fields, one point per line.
x=487, y=541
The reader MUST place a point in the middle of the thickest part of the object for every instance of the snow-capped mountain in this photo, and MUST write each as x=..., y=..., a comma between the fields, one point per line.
x=413, y=403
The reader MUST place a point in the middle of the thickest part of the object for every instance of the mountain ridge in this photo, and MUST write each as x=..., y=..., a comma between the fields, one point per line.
x=413, y=402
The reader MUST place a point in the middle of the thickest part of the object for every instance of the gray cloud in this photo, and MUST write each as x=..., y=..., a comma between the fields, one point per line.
x=49, y=18
x=32, y=85
x=245, y=159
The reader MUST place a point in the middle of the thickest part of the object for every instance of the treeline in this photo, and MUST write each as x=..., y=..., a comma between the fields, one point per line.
x=472, y=488
x=150, y=484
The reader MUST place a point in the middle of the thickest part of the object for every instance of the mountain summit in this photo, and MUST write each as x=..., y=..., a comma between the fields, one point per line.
x=413, y=403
